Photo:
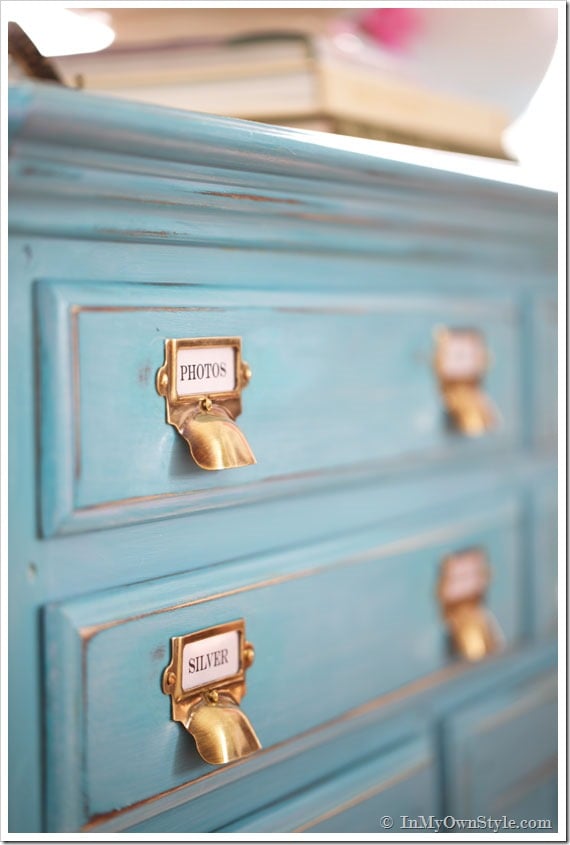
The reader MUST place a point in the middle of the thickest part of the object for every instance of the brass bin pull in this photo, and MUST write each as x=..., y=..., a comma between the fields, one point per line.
x=461, y=362
x=462, y=587
x=206, y=682
x=214, y=439
x=474, y=631
x=221, y=730
x=469, y=408
x=201, y=380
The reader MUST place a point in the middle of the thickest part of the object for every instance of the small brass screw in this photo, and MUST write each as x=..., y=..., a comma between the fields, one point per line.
x=162, y=382
x=246, y=372
x=248, y=655
x=171, y=679
x=213, y=696
x=206, y=403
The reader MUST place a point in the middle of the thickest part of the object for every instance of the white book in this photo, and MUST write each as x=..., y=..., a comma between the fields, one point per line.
x=275, y=80
x=183, y=63
x=254, y=98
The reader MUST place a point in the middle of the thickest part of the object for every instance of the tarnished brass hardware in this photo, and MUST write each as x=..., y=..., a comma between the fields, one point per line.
x=461, y=362
x=462, y=588
x=201, y=380
x=205, y=680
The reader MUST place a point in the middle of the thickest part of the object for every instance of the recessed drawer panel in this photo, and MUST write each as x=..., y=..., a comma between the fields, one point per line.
x=375, y=797
x=334, y=626
x=340, y=388
x=502, y=753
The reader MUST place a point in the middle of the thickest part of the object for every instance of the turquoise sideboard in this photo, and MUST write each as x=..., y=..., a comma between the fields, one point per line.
x=338, y=266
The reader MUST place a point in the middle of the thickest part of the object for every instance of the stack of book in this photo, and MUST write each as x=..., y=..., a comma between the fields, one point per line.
x=292, y=81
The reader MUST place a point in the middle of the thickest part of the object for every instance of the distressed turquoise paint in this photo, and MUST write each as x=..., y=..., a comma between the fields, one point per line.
x=391, y=580
x=331, y=380
x=269, y=777
x=402, y=782
x=502, y=754
x=299, y=242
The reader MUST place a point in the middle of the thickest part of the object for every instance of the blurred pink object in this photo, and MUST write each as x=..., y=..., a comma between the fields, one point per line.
x=494, y=54
x=392, y=28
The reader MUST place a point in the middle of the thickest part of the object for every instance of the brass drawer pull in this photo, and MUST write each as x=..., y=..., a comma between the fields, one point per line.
x=461, y=362
x=206, y=682
x=201, y=380
x=463, y=583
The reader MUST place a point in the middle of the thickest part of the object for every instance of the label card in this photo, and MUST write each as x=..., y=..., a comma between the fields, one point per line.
x=463, y=355
x=210, y=659
x=205, y=369
x=465, y=575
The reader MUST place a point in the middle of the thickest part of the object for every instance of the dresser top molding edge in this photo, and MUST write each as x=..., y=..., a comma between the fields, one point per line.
x=51, y=114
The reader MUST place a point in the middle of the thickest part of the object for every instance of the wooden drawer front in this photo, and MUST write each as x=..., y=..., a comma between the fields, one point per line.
x=275, y=775
x=334, y=625
x=340, y=385
x=362, y=800
x=502, y=754
x=544, y=576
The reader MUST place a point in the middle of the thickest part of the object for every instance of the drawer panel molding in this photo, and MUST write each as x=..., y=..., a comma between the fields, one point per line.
x=114, y=646
x=361, y=372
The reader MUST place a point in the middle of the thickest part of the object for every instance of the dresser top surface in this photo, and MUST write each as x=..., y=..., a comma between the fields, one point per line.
x=49, y=114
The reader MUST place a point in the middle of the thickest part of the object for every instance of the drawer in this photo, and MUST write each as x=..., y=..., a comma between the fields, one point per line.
x=335, y=625
x=375, y=797
x=279, y=774
x=502, y=754
x=341, y=388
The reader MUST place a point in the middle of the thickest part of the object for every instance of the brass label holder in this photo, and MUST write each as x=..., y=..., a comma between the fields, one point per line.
x=205, y=680
x=462, y=587
x=461, y=363
x=201, y=381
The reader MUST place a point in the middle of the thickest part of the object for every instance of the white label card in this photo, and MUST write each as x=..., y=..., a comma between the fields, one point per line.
x=205, y=369
x=463, y=355
x=210, y=659
x=465, y=576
